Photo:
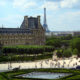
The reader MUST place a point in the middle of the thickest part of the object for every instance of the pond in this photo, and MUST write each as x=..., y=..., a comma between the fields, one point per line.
x=44, y=75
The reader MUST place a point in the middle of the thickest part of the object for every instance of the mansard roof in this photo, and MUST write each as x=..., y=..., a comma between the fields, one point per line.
x=26, y=27
x=31, y=22
x=14, y=30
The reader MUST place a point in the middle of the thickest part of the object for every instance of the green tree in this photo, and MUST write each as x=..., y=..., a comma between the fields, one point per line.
x=75, y=43
x=53, y=42
x=66, y=43
x=1, y=46
x=75, y=52
x=67, y=53
x=67, y=37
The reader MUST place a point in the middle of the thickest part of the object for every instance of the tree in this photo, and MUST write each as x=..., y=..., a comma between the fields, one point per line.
x=75, y=43
x=66, y=43
x=53, y=42
x=75, y=52
x=67, y=53
x=67, y=37
x=1, y=48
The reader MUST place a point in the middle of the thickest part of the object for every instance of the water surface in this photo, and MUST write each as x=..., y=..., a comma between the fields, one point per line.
x=44, y=75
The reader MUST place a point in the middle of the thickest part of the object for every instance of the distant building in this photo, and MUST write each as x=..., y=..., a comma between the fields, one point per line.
x=76, y=33
x=60, y=33
x=63, y=33
x=30, y=32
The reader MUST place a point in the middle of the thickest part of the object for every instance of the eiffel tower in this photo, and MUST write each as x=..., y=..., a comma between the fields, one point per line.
x=45, y=26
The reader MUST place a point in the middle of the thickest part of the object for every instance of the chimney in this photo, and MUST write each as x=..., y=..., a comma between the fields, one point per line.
x=25, y=17
x=26, y=21
x=38, y=19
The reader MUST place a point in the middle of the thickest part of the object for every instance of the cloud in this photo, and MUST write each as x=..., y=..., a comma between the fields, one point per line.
x=50, y=5
x=24, y=4
x=54, y=0
x=65, y=22
x=2, y=3
x=70, y=3
x=60, y=13
x=59, y=4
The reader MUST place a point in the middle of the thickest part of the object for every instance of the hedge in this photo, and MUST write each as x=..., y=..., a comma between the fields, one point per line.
x=23, y=49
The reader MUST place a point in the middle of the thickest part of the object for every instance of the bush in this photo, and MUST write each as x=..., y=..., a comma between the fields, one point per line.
x=59, y=53
x=67, y=37
x=53, y=42
x=23, y=49
x=66, y=43
x=67, y=53
x=1, y=46
x=75, y=52
x=75, y=43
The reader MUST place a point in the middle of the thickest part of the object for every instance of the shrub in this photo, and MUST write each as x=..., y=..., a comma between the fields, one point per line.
x=53, y=42
x=75, y=43
x=59, y=53
x=23, y=49
x=75, y=52
x=67, y=53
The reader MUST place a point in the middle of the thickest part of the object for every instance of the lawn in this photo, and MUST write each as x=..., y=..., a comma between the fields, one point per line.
x=11, y=75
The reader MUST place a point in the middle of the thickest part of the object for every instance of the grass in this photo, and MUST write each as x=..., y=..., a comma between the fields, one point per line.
x=11, y=75
x=2, y=78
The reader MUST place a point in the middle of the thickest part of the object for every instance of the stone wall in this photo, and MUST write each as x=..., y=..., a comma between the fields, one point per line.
x=37, y=38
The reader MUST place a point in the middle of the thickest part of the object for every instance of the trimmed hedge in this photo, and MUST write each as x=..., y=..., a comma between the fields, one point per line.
x=11, y=75
x=23, y=49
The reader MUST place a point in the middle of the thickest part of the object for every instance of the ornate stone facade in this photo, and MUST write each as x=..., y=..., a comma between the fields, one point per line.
x=30, y=32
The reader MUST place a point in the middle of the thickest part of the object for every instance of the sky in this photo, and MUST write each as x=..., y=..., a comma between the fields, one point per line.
x=62, y=15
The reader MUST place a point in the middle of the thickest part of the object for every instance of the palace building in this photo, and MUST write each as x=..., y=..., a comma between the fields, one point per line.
x=30, y=32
